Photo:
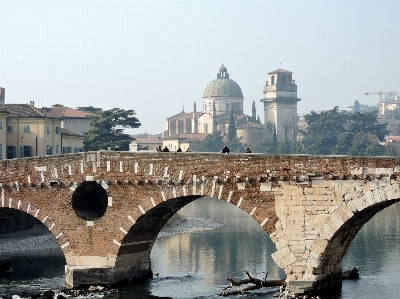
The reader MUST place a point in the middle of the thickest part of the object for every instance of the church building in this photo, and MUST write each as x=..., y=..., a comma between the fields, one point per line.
x=223, y=95
x=220, y=97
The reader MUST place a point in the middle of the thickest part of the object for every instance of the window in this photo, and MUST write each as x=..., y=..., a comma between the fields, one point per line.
x=10, y=129
x=57, y=149
x=11, y=152
x=272, y=80
x=75, y=150
x=48, y=129
x=1, y=125
x=58, y=130
x=284, y=79
x=49, y=150
x=25, y=151
x=67, y=150
x=27, y=129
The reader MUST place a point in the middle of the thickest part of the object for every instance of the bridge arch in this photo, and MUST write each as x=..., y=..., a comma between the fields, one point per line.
x=135, y=248
x=340, y=229
x=9, y=208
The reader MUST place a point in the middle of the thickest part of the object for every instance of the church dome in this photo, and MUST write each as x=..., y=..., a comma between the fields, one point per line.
x=222, y=86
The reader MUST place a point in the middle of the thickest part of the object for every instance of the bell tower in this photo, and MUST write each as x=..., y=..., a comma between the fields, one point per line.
x=280, y=107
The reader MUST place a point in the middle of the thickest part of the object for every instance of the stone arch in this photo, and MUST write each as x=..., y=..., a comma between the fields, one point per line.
x=6, y=212
x=134, y=248
x=340, y=229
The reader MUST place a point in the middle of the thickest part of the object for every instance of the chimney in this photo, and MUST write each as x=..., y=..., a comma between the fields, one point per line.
x=32, y=103
x=2, y=95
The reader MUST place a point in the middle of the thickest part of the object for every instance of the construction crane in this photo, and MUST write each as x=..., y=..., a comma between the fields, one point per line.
x=380, y=94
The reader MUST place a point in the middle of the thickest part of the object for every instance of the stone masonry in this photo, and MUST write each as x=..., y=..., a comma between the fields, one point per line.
x=106, y=208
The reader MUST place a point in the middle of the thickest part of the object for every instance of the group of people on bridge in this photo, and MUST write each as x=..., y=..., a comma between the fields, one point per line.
x=225, y=149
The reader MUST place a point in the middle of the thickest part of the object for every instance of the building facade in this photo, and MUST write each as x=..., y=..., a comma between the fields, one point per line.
x=27, y=131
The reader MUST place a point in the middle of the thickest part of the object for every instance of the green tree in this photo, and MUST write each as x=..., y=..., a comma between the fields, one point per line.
x=344, y=143
x=366, y=123
x=235, y=146
x=90, y=109
x=333, y=132
x=231, y=126
x=322, y=131
x=108, y=128
x=211, y=143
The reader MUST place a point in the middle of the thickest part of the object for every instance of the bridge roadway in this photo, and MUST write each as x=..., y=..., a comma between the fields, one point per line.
x=106, y=208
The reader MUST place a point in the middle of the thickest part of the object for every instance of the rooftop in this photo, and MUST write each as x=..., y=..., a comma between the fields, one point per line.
x=60, y=111
x=25, y=111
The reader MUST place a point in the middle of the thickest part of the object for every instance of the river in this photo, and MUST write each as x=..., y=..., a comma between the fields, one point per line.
x=213, y=241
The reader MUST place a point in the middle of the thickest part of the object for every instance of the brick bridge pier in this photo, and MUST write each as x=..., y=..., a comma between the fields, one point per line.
x=106, y=208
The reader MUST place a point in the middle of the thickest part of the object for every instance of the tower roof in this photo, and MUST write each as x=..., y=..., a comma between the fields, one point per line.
x=279, y=71
x=222, y=86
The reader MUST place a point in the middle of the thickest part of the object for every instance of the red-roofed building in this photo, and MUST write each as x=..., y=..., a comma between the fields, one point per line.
x=74, y=120
x=27, y=131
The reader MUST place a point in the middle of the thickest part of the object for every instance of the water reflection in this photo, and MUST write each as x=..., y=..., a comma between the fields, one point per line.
x=212, y=256
x=33, y=271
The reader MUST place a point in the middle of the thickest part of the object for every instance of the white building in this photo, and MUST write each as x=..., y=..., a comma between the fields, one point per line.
x=280, y=107
x=220, y=97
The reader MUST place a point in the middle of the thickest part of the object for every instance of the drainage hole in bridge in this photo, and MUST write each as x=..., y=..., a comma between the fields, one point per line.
x=89, y=200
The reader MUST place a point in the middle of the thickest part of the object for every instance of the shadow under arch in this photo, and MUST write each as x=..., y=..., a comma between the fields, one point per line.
x=44, y=258
x=338, y=245
x=143, y=234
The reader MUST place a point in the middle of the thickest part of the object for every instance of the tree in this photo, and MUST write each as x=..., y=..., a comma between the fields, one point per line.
x=90, y=109
x=322, y=131
x=366, y=123
x=108, y=128
x=231, y=126
x=235, y=146
x=211, y=143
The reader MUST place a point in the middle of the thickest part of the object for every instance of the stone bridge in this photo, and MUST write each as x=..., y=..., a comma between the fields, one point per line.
x=106, y=208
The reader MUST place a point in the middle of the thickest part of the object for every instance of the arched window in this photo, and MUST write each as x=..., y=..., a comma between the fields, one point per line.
x=272, y=80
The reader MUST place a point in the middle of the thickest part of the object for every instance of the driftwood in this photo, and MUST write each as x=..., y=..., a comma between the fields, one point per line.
x=263, y=283
x=255, y=284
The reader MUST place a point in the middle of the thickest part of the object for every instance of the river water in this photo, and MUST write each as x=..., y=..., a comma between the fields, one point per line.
x=215, y=240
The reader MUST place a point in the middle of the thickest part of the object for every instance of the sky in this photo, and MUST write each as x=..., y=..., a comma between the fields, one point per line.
x=157, y=57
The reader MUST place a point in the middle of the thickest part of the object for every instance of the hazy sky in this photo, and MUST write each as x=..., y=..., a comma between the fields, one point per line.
x=157, y=56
